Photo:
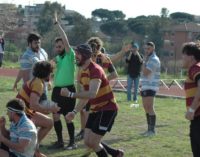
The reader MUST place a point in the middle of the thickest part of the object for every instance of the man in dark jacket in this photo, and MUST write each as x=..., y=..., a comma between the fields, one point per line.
x=134, y=61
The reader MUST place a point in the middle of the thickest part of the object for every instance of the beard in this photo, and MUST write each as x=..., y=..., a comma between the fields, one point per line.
x=79, y=63
x=62, y=53
x=35, y=49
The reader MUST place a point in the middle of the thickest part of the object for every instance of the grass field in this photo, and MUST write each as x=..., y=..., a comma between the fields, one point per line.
x=172, y=138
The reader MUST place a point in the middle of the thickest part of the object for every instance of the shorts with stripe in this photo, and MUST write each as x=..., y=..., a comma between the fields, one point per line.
x=101, y=122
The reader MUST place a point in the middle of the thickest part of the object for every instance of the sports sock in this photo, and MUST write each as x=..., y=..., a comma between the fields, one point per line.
x=109, y=149
x=70, y=128
x=101, y=153
x=58, y=130
x=148, y=121
x=152, y=122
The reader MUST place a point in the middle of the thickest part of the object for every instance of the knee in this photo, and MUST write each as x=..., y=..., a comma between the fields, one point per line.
x=87, y=143
x=49, y=123
x=90, y=144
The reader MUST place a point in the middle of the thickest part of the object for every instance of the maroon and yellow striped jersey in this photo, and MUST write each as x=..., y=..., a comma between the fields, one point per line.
x=36, y=86
x=191, y=85
x=104, y=61
x=104, y=99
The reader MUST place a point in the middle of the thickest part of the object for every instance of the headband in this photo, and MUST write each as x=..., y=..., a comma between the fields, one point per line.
x=15, y=110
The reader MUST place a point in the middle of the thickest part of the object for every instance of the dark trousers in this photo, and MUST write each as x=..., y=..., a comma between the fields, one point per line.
x=1, y=59
x=195, y=136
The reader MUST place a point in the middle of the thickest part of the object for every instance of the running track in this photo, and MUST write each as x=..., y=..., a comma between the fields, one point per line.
x=120, y=85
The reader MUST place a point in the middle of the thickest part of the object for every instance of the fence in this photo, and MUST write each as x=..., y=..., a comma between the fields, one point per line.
x=168, y=87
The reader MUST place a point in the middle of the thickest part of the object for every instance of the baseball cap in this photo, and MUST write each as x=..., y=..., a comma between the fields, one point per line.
x=135, y=45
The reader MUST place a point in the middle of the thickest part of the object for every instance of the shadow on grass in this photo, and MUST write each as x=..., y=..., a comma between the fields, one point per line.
x=3, y=90
x=46, y=148
x=162, y=125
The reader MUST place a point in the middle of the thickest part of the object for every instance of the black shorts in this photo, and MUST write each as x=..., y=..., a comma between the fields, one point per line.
x=147, y=93
x=66, y=104
x=101, y=122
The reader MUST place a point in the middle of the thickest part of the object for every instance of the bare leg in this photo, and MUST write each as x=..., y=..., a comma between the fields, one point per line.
x=44, y=122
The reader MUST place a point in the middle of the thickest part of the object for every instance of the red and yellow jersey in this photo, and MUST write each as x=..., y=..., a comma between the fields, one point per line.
x=191, y=85
x=104, y=61
x=105, y=98
x=36, y=86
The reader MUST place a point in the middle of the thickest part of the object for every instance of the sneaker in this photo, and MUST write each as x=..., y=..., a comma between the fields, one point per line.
x=144, y=133
x=71, y=146
x=149, y=134
x=79, y=136
x=57, y=145
x=121, y=153
x=134, y=105
x=135, y=102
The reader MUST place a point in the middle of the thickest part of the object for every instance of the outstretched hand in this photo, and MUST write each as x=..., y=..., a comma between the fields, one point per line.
x=55, y=18
x=15, y=89
x=70, y=116
x=64, y=92
x=126, y=48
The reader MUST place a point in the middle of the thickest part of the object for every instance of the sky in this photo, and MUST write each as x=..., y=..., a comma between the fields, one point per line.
x=131, y=8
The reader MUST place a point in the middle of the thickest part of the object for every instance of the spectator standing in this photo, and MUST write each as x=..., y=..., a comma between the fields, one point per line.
x=150, y=80
x=134, y=61
x=2, y=48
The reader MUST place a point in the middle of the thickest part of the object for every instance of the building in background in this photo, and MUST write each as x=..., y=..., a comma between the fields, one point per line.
x=174, y=37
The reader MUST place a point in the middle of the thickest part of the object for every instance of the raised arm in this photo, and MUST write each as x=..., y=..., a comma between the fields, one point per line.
x=62, y=34
x=120, y=54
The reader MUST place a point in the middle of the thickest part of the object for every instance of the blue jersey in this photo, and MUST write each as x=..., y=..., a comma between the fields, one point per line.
x=24, y=129
x=29, y=58
x=151, y=82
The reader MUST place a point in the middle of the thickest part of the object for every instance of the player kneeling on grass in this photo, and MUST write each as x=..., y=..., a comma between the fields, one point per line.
x=97, y=91
x=31, y=93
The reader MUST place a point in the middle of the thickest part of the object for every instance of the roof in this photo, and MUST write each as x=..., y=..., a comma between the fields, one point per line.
x=189, y=27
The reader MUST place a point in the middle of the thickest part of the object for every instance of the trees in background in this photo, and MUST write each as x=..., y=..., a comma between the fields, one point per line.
x=111, y=26
x=9, y=16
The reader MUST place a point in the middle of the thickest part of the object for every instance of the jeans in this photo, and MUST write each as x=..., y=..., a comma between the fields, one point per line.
x=130, y=81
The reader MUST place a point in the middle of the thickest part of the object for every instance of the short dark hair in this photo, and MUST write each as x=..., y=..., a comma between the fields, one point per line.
x=192, y=49
x=16, y=105
x=42, y=69
x=33, y=37
x=85, y=50
x=151, y=44
x=58, y=39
